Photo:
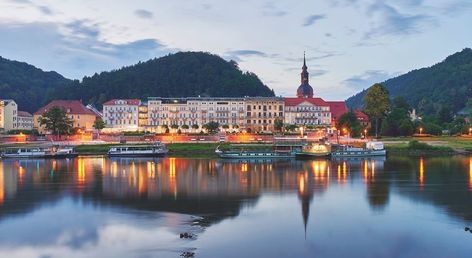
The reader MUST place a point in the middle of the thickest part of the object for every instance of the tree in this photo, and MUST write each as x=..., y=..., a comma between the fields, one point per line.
x=225, y=126
x=349, y=121
x=99, y=124
x=185, y=127
x=195, y=126
x=278, y=125
x=211, y=127
x=56, y=121
x=376, y=104
x=174, y=126
x=290, y=127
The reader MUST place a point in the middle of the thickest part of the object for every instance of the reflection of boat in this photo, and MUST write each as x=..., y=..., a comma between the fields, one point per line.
x=278, y=152
x=358, y=158
x=39, y=152
x=156, y=150
x=371, y=149
x=314, y=150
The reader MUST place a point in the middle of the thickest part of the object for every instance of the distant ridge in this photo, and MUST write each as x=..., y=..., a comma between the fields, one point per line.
x=184, y=74
x=29, y=86
x=446, y=84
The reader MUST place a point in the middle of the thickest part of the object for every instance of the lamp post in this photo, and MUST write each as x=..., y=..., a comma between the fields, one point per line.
x=470, y=130
x=365, y=133
x=421, y=130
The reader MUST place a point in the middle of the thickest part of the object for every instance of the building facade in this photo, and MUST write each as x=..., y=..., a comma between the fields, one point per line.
x=24, y=121
x=8, y=115
x=81, y=116
x=122, y=114
x=262, y=112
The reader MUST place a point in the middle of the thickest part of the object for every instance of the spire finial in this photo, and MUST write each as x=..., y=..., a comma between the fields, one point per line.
x=304, y=60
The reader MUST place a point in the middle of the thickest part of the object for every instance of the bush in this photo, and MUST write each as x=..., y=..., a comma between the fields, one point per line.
x=416, y=145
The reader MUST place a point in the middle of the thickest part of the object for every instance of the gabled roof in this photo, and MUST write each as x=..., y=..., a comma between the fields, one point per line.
x=337, y=108
x=298, y=101
x=74, y=107
x=131, y=102
x=361, y=116
x=24, y=114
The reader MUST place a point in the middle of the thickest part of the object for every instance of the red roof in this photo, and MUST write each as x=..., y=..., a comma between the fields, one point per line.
x=131, y=102
x=298, y=101
x=24, y=114
x=70, y=106
x=337, y=108
x=361, y=116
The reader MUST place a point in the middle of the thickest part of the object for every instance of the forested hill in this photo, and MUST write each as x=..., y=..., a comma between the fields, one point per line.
x=447, y=84
x=184, y=74
x=26, y=84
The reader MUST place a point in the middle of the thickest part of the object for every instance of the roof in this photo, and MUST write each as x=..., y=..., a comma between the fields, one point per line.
x=131, y=102
x=70, y=106
x=337, y=108
x=24, y=114
x=361, y=116
x=298, y=101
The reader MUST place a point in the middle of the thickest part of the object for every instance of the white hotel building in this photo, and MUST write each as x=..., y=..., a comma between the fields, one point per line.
x=121, y=114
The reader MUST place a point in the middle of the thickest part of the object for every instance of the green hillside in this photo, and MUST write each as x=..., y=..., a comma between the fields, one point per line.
x=27, y=85
x=182, y=74
x=447, y=84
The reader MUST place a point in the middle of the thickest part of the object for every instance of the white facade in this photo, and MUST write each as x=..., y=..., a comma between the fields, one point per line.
x=24, y=121
x=307, y=111
x=195, y=111
x=8, y=115
x=122, y=114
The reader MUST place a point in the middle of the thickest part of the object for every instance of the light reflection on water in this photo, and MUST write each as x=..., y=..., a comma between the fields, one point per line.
x=100, y=207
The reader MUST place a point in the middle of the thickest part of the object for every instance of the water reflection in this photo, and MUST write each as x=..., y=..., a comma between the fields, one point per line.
x=219, y=189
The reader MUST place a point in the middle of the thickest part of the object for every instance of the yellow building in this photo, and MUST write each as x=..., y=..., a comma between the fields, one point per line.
x=81, y=116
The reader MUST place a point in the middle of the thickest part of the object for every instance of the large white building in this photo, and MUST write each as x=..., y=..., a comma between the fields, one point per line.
x=230, y=113
x=122, y=114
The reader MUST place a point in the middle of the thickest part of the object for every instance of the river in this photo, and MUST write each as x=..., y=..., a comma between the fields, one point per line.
x=101, y=207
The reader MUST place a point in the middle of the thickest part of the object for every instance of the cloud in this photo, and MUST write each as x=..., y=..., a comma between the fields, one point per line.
x=367, y=79
x=42, y=8
x=144, y=14
x=73, y=49
x=237, y=55
x=269, y=9
x=392, y=21
x=312, y=19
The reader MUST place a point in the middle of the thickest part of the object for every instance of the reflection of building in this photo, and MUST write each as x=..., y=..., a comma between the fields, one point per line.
x=81, y=116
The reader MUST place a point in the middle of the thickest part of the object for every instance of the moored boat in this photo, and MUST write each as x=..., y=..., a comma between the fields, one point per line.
x=39, y=152
x=155, y=150
x=314, y=150
x=278, y=152
x=371, y=149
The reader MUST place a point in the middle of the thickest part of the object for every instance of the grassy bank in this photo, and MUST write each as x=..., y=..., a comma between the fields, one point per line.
x=415, y=148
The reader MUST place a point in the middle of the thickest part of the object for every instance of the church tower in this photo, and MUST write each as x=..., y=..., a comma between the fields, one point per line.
x=305, y=90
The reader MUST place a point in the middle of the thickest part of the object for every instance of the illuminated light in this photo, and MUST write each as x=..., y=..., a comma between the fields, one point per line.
x=244, y=167
x=421, y=173
x=373, y=168
x=301, y=183
x=2, y=189
x=80, y=172
x=339, y=173
x=366, y=169
x=470, y=173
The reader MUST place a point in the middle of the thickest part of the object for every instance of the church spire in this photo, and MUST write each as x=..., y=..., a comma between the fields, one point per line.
x=304, y=74
x=304, y=61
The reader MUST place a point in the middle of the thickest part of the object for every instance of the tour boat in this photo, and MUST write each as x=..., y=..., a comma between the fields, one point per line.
x=371, y=149
x=276, y=153
x=26, y=152
x=155, y=150
x=39, y=152
x=314, y=150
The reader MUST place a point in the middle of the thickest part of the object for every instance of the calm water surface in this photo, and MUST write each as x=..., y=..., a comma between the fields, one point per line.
x=100, y=207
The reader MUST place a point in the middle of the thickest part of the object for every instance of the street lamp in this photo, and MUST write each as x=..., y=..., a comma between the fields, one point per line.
x=470, y=130
x=301, y=131
x=421, y=130
x=365, y=133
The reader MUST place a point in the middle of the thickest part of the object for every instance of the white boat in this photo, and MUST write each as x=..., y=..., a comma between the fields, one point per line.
x=276, y=153
x=371, y=149
x=39, y=152
x=314, y=150
x=26, y=152
x=155, y=150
